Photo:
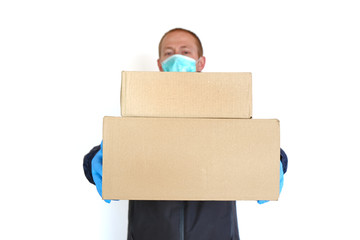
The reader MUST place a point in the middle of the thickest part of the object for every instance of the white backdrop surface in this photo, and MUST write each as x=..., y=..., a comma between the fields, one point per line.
x=60, y=72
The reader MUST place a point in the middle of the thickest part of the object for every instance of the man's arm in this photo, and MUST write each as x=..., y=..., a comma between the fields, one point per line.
x=283, y=169
x=284, y=160
x=87, y=163
x=93, y=168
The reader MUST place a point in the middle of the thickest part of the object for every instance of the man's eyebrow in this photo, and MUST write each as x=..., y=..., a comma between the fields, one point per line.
x=171, y=48
x=185, y=46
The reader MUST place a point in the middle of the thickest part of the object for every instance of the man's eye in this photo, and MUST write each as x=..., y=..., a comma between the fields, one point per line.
x=168, y=53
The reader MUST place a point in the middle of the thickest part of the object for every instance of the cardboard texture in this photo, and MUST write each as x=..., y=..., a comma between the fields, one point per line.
x=178, y=94
x=190, y=159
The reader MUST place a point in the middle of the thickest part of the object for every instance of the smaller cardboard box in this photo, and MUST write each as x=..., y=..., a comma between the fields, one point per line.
x=178, y=94
x=190, y=159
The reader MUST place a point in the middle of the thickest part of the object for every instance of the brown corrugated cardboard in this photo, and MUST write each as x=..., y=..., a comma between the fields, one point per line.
x=178, y=94
x=190, y=159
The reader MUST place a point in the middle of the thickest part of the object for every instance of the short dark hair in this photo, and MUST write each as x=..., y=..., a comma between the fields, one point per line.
x=198, y=42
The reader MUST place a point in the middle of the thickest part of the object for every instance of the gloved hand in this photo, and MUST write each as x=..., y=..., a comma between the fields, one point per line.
x=281, y=184
x=97, y=169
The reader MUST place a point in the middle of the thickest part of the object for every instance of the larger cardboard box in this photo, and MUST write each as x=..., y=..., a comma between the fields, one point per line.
x=178, y=94
x=190, y=159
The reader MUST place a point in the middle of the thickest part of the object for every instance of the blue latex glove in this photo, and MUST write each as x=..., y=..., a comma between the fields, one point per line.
x=97, y=169
x=281, y=184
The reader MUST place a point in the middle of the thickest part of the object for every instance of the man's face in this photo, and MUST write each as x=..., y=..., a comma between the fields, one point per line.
x=180, y=42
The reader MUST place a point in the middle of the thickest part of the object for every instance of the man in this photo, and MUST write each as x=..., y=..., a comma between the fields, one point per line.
x=181, y=43
x=179, y=50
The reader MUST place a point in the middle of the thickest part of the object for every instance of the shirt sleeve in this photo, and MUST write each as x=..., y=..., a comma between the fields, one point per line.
x=87, y=163
x=284, y=160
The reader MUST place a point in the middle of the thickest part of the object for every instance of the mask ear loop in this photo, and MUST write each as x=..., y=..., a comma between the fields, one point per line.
x=197, y=63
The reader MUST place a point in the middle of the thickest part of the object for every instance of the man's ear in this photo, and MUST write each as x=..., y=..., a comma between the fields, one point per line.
x=200, y=64
x=159, y=65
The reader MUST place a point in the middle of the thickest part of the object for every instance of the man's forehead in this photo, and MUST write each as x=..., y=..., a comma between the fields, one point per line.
x=179, y=38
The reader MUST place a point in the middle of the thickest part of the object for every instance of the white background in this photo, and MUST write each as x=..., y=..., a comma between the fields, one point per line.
x=60, y=72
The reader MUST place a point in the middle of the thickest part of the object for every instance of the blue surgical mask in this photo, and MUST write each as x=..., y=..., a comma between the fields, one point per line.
x=179, y=63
